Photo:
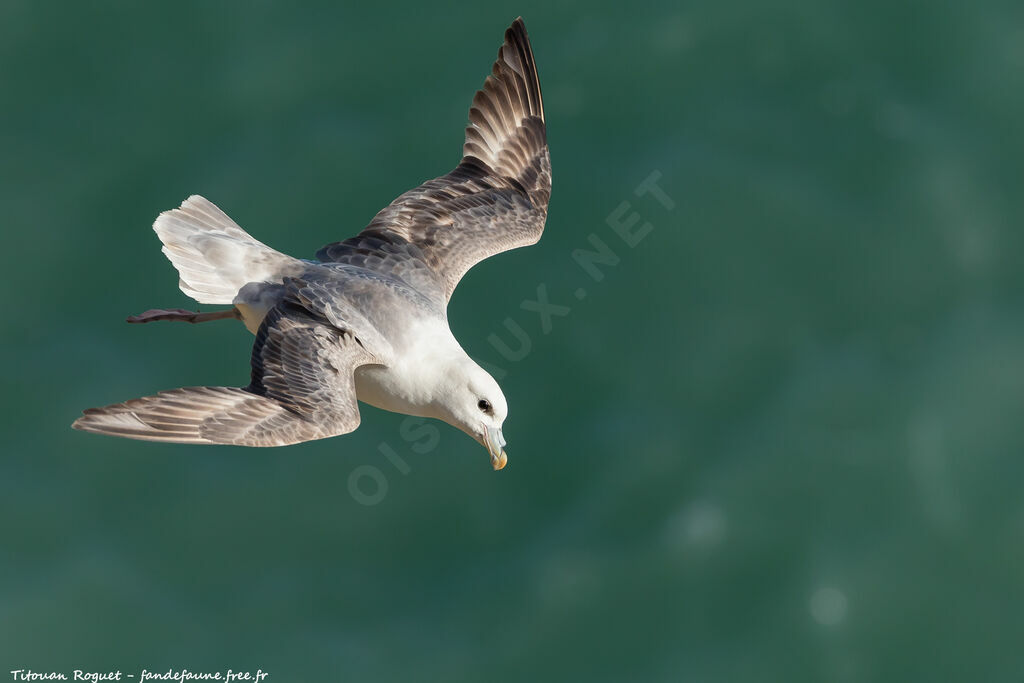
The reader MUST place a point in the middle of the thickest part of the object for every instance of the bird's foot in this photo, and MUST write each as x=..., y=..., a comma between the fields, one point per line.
x=181, y=315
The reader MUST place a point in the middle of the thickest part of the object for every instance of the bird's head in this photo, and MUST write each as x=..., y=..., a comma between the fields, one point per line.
x=473, y=402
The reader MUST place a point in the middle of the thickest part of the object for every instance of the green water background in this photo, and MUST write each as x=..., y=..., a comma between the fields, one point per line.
x=781, y=439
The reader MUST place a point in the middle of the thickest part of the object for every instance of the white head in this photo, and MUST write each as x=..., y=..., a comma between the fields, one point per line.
x=472, y=401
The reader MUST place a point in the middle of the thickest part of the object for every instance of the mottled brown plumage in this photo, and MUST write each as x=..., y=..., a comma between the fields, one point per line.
x=302, y=388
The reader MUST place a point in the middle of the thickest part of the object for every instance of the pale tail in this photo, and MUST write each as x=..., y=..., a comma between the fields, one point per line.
x=215, y=258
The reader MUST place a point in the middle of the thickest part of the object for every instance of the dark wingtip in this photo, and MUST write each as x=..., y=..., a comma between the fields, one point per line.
x=517, y=29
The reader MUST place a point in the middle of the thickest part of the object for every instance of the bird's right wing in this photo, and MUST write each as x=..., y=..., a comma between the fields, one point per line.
x=302, y=388
x=308, y=365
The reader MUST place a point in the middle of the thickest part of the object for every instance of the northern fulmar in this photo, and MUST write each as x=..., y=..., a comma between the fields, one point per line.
x=367, y=319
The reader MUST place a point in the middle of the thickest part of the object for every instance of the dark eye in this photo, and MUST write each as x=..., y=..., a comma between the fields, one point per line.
x=485, y=406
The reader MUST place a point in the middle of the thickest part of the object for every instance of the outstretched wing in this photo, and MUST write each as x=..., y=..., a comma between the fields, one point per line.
x=496, y=199
x=303, y=388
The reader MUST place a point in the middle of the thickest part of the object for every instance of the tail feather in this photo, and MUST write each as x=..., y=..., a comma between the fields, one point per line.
x=201, y=415
x=214, y=256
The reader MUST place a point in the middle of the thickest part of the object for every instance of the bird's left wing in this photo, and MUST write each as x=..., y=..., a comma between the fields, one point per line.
x=496, y=199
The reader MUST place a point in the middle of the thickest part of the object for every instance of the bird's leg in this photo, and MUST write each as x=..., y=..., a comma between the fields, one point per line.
x=182, y=315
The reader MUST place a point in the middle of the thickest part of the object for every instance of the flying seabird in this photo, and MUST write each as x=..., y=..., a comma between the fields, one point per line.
x=367, y=320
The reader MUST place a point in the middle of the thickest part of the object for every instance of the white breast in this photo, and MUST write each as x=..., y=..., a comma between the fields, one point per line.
x=410, y=382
